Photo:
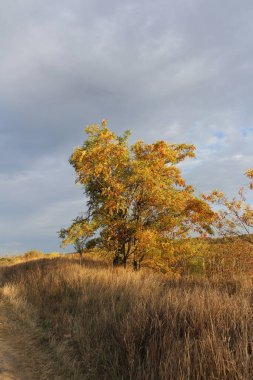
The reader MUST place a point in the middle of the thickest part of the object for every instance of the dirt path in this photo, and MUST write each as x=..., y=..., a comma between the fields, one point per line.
x=22, y=356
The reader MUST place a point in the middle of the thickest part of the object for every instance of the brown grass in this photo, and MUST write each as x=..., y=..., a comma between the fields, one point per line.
x=116, y=324
x=27, y=256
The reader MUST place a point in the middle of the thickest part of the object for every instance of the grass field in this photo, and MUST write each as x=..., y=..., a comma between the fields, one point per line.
x=110, y=323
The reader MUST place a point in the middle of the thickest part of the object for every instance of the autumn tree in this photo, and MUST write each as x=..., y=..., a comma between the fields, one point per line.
x=78, y=235
x=235, y=215
x=136, y=196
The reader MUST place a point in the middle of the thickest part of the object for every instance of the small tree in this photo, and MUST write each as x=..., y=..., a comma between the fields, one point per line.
x=136, y=195
x=77, y=234
x=79, y=246
x=235, y=216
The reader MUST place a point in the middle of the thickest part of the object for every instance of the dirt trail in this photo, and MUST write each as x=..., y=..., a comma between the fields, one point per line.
x=22, y=356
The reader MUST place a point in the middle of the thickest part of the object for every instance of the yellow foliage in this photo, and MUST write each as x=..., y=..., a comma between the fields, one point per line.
x=136, y=195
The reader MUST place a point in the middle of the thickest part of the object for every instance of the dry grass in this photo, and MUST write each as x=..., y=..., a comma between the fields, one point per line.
x=116, y=324
x=30, y=255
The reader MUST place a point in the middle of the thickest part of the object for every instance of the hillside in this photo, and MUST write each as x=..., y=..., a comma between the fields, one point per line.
x=106, y=323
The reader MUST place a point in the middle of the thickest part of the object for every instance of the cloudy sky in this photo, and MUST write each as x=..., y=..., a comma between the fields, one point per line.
x=179, y=70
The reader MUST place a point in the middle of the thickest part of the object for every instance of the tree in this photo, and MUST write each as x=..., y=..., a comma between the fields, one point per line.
x=77, y=234
x=235, y=215
x=136, y=195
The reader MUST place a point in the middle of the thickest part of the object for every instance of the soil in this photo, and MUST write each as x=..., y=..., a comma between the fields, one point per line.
x=22, y=355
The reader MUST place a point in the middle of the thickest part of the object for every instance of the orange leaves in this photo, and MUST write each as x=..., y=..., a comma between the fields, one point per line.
x=161, y=150
x=214, y=196
x=183, y=151
x=235, y=216
x=249, y=174
x=104, y=123
x=136, y=195
x=139, y=203
x=146, y=239
x=180, y=182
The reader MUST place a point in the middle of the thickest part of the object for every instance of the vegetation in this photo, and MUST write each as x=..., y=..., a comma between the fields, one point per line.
x=27, y=256
x=187, y=315
x=234, y=216
x=109, y=323
x=138, y=201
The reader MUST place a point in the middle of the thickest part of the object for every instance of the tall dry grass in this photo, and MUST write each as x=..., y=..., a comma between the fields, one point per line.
x=116, y=324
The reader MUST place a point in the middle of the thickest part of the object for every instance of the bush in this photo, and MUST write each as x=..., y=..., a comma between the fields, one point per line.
x=33, y=254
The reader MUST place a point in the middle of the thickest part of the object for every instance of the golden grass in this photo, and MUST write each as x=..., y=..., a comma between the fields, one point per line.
x=30, y=255
x=115, y=324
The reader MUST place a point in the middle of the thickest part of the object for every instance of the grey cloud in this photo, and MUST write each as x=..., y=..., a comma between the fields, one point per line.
x=176, y=70
x=36, y=203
